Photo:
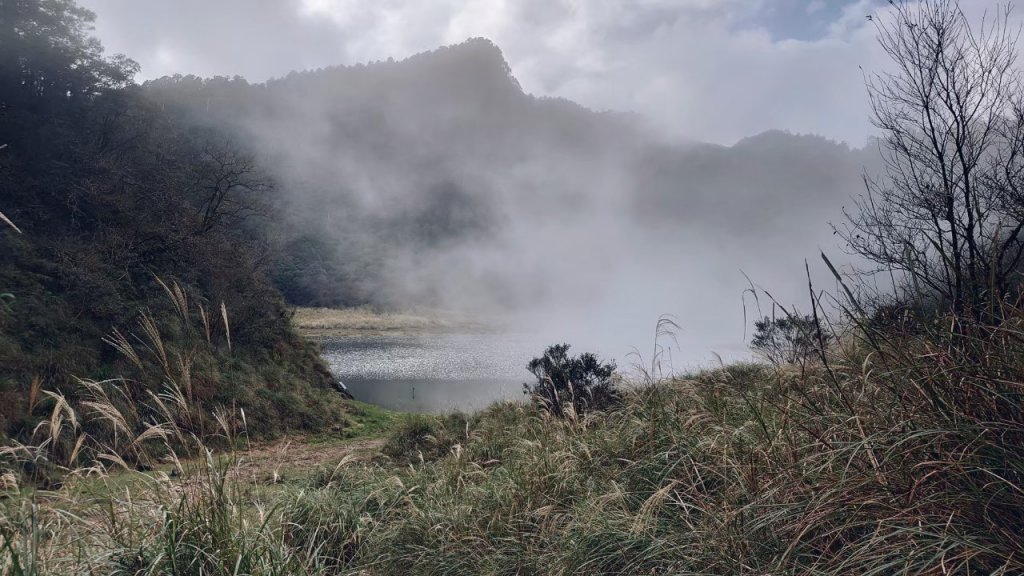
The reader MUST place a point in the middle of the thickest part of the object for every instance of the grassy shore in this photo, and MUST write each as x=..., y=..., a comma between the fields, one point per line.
x=898, y=458
x=899, y=451
x=364, y=321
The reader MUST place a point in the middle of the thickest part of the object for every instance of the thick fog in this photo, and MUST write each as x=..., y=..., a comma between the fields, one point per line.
x=454, y=180
x=439, y=183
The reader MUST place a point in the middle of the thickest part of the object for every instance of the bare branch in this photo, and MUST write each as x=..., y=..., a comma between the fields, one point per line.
x=950, y=210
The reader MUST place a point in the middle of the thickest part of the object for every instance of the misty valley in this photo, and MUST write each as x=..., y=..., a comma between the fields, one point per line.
x=341, y=287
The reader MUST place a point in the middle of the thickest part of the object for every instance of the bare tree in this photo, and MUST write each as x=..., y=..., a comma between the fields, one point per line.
x=230, y=186
x=948, y=214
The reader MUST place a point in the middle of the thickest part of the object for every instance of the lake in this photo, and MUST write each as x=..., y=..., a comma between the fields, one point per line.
x=433, y=373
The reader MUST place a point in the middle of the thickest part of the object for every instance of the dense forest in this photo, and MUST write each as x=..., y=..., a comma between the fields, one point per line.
x=119, y=207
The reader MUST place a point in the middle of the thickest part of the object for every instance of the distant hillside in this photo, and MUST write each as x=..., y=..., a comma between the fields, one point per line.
x=436, y=180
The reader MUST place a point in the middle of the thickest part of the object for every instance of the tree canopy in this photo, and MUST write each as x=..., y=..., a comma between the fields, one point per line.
x=49, y=60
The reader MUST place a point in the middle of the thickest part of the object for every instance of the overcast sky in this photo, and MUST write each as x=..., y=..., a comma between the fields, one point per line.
x=713, y=70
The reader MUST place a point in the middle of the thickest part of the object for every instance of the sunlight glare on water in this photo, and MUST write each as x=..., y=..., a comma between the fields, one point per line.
x=433, y=372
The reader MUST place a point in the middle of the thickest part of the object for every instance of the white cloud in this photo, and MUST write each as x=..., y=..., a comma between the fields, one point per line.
x=816, y=6
x=686, y=63
x=703, y=69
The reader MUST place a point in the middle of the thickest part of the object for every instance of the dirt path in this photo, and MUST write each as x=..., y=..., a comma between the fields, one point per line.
x=274, y=462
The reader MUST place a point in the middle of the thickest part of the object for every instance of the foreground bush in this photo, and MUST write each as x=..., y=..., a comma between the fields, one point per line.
x=788, y=339
x=571, y=385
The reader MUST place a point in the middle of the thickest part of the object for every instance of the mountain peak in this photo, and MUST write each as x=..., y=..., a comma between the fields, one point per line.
x=476, y=57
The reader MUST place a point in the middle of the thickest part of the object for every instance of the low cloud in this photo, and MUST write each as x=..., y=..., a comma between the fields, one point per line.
x=711, y=70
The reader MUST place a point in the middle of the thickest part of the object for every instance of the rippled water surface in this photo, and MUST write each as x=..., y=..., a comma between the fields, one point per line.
x=432, y=372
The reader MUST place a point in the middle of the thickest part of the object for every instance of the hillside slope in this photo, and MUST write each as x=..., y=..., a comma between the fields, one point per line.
x=129, y=218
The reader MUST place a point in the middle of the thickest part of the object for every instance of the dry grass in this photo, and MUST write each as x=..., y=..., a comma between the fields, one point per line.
x=322, y=322
x=193, y=508
x=903, y=455
x=900, y=459
x=291, y=458
x=7, y=221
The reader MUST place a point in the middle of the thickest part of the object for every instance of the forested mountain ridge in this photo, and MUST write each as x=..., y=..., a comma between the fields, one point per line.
x=405, y=182
x=382, y=163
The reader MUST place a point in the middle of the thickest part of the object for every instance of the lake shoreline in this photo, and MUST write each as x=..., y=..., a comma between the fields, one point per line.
x=420, y=363
x=325, y=323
